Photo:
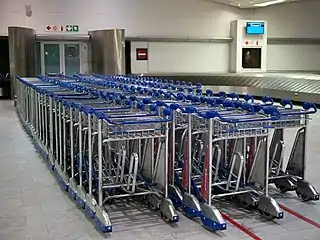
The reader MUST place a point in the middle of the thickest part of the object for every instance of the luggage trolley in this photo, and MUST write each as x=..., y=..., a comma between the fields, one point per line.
x=182, y=171
x=266, y=101
x=80, y=124
x=117, y=141
x=232, y=177
x=40, y=113
x=290, y=176
x=162, y=205
x=227, y=180
x=73, y=129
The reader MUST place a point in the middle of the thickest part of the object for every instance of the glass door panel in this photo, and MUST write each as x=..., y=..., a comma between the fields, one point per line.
x=51, y=58
x=72, y=58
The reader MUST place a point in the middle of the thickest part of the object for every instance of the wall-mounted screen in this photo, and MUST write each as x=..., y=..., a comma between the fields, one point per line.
x=255, y=28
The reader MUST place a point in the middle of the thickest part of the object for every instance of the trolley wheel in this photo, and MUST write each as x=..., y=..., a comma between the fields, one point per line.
x=152, y=207
x=266, y=215
x=282, y=189
x=304, y=198
x=142, y=198
x=245, y=204
x=111, y=201
x=165, y=218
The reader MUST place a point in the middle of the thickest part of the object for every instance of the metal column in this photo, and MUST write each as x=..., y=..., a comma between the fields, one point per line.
x=108, y=51
x=21, y=54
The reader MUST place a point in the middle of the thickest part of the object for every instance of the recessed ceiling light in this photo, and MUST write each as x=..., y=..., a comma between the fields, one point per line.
x=265, y=4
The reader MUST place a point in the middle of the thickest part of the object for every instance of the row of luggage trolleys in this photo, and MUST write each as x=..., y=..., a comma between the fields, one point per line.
x=164, y=143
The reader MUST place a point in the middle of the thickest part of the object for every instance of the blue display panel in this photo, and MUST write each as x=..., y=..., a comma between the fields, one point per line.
x=255, y=28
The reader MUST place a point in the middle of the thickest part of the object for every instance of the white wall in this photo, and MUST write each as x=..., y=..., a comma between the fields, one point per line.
x=140, y=18
x=185, y=18
x=293, y=58
x=181, y=57
x=139, y=66
x=178, y=18
x=182, y=18
x=292, y=20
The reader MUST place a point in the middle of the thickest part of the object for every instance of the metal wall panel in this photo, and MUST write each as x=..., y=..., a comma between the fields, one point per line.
x=21, y=53
x=183, y=40
x=108, y=51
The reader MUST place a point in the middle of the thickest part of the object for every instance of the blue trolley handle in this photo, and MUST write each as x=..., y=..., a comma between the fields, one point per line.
x=166, y=112
x=222, y=94
x=77, y=97
x=209, y=93
x=160, y=103
x=268, y=101
x=176, y=106
x=273, y=112
x=248, y=98
x=309, y=108
x=286, y=103
x=233, y=96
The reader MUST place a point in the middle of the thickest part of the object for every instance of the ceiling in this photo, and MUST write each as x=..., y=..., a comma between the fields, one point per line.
x=253, y=3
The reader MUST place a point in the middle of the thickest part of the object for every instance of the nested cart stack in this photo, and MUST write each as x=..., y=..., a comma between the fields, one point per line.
x=164, y=143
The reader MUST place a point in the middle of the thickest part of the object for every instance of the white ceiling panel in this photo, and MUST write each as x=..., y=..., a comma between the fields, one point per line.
x=254, y=3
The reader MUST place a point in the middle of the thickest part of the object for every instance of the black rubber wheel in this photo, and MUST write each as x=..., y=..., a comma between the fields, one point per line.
x=266, y=215
x=165, y=218
x=245, y=205
x=304, y=197
x=111, y=201
x=283, y=189
x=152, y=207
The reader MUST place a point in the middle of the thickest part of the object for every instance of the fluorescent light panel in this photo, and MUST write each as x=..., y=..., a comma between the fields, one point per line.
x=265, y=4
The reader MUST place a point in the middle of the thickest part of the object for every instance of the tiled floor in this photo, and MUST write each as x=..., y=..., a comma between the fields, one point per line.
x=32, y=206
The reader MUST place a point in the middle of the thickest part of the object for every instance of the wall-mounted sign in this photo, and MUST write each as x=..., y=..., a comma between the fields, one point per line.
x=54, y=28
x=142, y=54
x=72, y=28
x=252, y=43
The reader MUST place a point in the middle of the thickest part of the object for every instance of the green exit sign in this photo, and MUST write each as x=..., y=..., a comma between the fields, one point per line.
x=72, y=28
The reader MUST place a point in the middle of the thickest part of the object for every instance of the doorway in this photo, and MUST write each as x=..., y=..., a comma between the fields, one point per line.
x=5, y=90
x=128, y=56
x=4, y=55
x=60, y=58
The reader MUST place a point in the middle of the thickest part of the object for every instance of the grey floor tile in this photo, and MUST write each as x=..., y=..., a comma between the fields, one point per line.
x=24, y=233
x=9, y=205
x=12, y=222
x=141, y=233
x=309, y=234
